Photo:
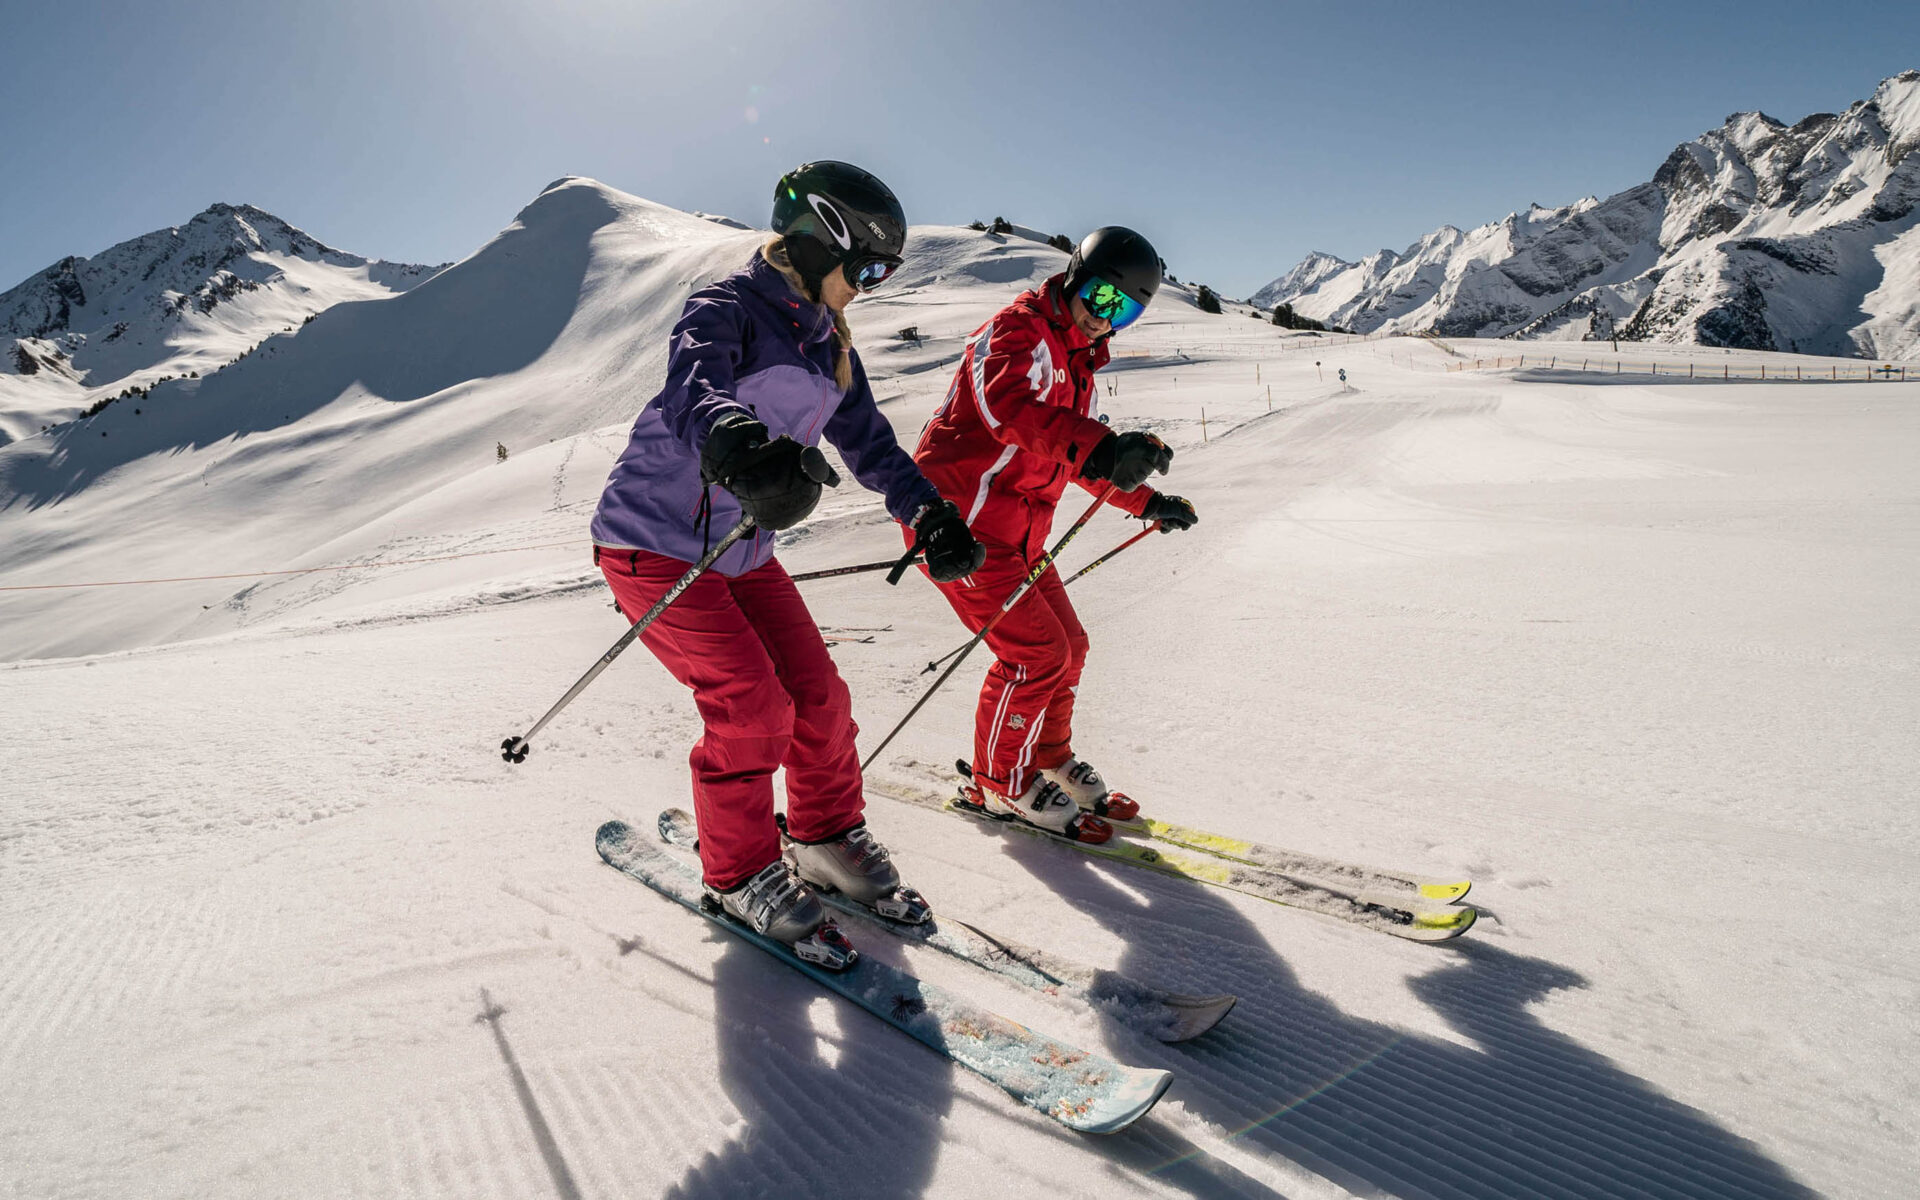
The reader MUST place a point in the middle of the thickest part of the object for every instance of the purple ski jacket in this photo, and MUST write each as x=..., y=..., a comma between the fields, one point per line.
x=747, y=342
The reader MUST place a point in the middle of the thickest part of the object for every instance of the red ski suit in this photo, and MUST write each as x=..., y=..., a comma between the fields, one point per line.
x=1017, y=424
x=769, y=696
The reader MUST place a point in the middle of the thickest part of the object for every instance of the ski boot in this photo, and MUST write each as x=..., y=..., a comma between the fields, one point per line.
x=1043, y=805
x=777, y=904
x=859, y=868
x=1079, y=780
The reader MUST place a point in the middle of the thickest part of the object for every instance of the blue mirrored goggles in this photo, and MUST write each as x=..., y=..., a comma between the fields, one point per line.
x=1103, y=299
x=870, y=274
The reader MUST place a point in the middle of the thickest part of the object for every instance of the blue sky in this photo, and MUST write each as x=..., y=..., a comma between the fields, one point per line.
x=1237, y=136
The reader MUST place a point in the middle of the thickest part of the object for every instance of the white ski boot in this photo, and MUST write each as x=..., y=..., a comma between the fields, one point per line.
x=1079, y=780
x=1044, y=804
x=859, y=868
x=778, y=905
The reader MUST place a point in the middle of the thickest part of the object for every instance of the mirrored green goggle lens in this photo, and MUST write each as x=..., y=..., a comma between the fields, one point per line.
x=1105, y=300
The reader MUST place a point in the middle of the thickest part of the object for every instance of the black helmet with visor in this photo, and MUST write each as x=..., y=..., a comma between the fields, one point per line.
x=1114, y=272
x=835, y=215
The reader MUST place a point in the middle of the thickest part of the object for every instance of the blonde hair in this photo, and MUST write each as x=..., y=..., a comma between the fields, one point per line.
x=775, y=252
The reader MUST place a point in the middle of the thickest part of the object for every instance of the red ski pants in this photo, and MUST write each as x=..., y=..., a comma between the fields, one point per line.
x=770, y=696
x=1024, y=721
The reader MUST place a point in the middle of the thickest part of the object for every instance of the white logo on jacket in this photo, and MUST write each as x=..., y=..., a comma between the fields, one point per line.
x=1042, y=375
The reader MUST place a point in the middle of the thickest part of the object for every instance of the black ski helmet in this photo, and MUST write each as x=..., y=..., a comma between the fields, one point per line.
x=833, y=214
x=1121, y=257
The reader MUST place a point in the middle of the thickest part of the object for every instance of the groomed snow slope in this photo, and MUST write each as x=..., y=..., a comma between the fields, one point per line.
x=1639, y=659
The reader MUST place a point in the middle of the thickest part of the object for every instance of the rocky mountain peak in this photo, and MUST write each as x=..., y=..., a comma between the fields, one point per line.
x=1757, y=233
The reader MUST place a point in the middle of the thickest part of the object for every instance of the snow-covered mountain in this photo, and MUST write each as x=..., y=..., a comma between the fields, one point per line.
x=168, y=304
x=1588, y=645
x=396, y=402
x=1757, y=234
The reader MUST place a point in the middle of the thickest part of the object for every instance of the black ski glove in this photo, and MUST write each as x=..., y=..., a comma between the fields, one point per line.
x=1127, y=459
x=952, y=551
x=1171, y=511
x=728, y=440
x=777, y=482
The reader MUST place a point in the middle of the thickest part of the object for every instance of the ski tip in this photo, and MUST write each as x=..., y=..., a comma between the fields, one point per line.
x=612, y=839
x=1446, y=893
x=1194, y=1015
x=676, y=827
x=1133, y=1094
x=1443, y=925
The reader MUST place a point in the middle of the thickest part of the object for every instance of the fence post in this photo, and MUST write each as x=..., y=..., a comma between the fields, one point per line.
x=1689, y=370
x=1203, y=424
x=1726, y=371
x=1763, y=370
x=1269, y=397
x=1550, y=362
x=1834, y=370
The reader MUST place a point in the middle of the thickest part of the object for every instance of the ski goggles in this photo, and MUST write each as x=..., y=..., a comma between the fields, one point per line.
x=1106, y=301
x=870, y=274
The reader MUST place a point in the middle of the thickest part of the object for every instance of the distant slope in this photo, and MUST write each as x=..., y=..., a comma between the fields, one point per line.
x=1757, y=234
x=166, y=304
x=307, y=448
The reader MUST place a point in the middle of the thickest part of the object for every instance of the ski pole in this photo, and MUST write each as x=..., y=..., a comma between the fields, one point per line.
x=514, y=749
x=858, y=569
x=1039, y=569
x=1153, y=527
x=935, y=664
x=812, y=462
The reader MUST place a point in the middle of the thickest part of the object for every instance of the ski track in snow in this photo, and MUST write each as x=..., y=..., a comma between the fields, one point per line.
x=1639, y=659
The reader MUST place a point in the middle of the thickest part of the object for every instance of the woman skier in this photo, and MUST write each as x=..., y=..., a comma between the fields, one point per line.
x=761, y=365
x=1018, y=424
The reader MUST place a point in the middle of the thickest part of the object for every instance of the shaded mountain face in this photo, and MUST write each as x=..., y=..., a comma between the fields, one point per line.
x=171, y=302
x=381, y=419
x=1757, y=234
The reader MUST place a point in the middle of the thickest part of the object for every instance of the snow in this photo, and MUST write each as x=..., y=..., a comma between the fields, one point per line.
x=1755, y=234
x=1637, y=657
x=180, y=301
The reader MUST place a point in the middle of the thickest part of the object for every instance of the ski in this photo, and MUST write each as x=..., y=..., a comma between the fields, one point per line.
x=1081, y=1091
x=1308, y=868
x=1165, y=1016
x=1398, y=916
